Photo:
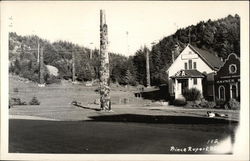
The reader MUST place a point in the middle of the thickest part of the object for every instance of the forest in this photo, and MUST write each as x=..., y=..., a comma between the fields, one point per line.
x=221, y=37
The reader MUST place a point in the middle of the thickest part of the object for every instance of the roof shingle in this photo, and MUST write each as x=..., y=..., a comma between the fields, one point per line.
x=212, y=60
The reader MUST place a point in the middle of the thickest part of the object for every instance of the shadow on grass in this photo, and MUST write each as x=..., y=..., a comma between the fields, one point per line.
x=161, y=119
x=95, y=109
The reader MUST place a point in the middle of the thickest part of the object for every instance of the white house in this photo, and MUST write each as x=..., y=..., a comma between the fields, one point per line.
x=193, y=68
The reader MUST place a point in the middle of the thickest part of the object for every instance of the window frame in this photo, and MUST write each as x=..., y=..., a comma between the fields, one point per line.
x=190, y=64
x=230, y=68
x=221, y=86
x=194, y=65
x=195, y=81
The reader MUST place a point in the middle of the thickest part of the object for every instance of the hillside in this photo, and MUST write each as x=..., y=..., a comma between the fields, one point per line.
x=220, y=37
x=23, y=59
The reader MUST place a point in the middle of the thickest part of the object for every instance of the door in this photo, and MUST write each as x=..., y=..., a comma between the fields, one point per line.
x=184, y=84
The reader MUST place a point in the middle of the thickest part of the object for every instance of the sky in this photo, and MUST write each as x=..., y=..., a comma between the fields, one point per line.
x=146, y=22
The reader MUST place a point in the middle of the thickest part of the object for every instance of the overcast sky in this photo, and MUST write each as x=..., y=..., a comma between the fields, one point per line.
x=145, y=22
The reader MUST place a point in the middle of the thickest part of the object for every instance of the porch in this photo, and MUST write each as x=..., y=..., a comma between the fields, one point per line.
x=186, y=79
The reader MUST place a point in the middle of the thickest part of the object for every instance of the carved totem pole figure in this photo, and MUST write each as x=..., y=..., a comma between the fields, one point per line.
x=105, y=101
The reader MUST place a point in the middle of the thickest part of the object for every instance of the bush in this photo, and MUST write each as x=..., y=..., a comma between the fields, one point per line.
x=211, y=104
x=207, y=104
x=220, y=103
x=192, y=104
x=192, y=94
x=179, y=102
x=16, y=101
x=49, y=79
x=34, y=101
x=233, y=104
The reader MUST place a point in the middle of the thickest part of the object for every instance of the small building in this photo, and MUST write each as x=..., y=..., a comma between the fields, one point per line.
x=193, y=68
x=227, y=79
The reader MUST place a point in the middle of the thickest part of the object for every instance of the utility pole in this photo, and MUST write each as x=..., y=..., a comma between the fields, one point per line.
x=147, y=67
x=127, y=42
x=38, y=48
x=73, y=67
x=41, y=70
x=189, y=36
x=40, y=61
x=91, y=52
x=105, y=100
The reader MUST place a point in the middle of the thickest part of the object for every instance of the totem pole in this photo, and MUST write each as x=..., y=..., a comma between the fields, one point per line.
x=105, y=101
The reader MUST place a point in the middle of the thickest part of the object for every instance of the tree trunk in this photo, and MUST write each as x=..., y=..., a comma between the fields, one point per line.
x=105, y=101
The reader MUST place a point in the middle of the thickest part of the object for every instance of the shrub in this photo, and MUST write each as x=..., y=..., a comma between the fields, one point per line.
x=211, y=104
x=207, y=104
x=16, y=101
x=220, y=103
x=233, y=104
x=34, y=101
x=49, y=79
x=192, y=104
x=179, y=102
x=192, y=94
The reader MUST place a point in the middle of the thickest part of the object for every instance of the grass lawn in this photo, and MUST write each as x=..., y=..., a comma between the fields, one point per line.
x=56, y=101
x=138, y=126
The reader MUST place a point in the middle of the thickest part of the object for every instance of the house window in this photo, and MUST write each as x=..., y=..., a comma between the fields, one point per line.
x=234, y=91
x=194, y=65
x=186, y=66
x=222, y=92
x=190, y=64
x=195, y=81
x=232, y=68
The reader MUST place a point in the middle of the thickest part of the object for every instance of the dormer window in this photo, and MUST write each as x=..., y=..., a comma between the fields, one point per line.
x=232, y=68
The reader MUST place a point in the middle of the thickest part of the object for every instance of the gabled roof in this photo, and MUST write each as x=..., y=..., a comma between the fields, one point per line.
x=213, y=61
x=188, y=74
